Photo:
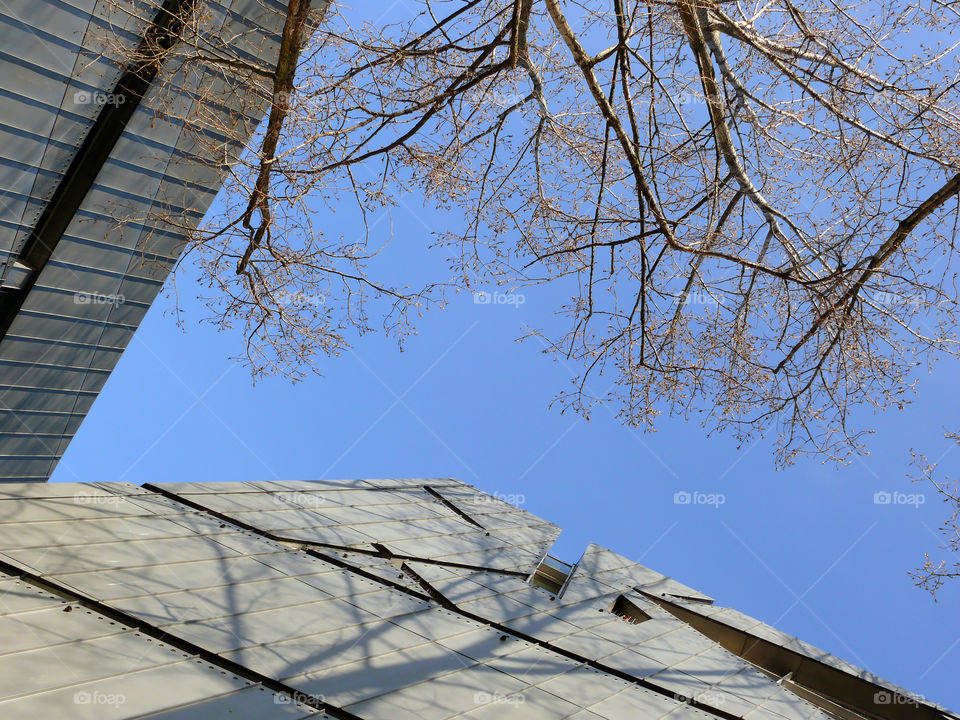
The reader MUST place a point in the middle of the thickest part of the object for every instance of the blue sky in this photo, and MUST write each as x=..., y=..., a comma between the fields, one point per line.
x=806, y=549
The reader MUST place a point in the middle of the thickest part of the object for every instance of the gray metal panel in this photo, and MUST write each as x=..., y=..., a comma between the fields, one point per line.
x=52, y=63
x=52, y=366
x=250, y=703
x=82, y=665
x=631, y=704
x=173, y=576
x=364, y=643
x=406, y=519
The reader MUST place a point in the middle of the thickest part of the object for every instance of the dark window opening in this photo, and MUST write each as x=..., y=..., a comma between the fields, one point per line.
x=551, y=574
x=626, y=610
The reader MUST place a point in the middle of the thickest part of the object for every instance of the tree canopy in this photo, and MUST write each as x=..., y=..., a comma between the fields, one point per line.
x=755, y=203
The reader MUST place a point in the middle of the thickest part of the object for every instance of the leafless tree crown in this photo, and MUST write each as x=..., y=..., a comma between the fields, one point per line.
x=753, y=205
x=934, y=573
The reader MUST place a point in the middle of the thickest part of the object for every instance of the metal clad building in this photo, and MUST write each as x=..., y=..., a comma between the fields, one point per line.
x=75, y=278
x=377, y=599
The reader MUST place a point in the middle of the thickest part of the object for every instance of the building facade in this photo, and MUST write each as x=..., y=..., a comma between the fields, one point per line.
x=97, y=155
x=374, y=599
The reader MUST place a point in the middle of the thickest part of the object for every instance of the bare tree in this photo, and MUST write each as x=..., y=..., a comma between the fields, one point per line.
x=932, y=575
x=754, y=205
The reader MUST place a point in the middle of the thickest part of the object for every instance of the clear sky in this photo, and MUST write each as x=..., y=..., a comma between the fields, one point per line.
x=806, y=549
